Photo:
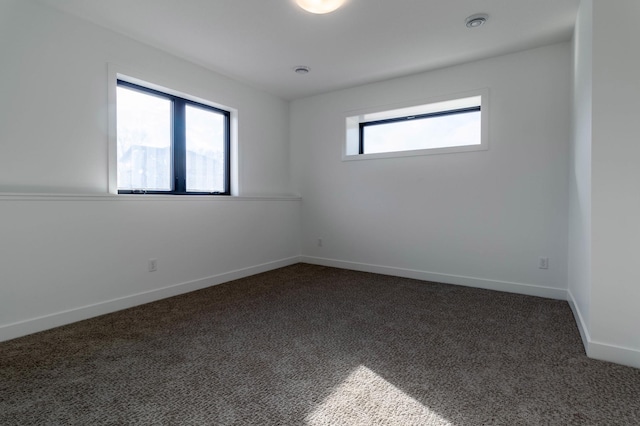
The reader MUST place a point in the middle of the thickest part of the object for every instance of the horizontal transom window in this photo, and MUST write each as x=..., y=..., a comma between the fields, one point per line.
x=451, y=125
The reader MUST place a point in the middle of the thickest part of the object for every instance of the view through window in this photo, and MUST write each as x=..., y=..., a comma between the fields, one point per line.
x=428, y=131
x=168, y=144
x=450, y=124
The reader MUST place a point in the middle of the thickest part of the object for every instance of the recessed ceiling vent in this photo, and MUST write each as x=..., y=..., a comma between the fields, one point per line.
x=301, y=69
x=478, y=20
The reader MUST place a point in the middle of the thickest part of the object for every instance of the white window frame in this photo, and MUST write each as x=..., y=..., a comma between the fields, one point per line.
x=352, y=119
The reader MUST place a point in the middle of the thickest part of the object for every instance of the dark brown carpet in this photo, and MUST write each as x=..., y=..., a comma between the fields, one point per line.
x=309, y=345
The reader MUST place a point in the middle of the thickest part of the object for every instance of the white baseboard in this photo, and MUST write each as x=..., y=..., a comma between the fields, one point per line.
x=600, y=350
x=582, y=326
x=612, y=353
x=510, y=287
x=594, y=349
x=34, y=325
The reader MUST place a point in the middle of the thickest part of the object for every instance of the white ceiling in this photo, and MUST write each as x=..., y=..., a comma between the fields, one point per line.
x=259, y=42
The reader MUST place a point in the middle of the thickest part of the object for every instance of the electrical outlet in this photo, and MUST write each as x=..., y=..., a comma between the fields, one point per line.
x=543, y=263
x=319, y=242
x=153, y=265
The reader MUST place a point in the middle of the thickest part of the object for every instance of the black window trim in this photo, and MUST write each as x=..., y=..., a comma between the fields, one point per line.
x=364, y=124
x=178, y=146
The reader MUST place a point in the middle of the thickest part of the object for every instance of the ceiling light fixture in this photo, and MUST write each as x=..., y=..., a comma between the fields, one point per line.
x=301, y=69
x=320, y=6
x=478, y=20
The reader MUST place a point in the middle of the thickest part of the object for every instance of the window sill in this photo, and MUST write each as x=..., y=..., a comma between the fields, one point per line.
x=8, y=196
x=415, y=153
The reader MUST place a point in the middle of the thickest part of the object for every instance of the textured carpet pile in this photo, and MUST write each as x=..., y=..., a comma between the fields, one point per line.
x=309, y=345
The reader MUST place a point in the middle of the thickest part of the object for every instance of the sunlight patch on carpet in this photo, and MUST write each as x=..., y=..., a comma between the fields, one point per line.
x=365, y=398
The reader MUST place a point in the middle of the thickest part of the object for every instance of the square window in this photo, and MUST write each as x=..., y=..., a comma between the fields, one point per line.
x=167, y=144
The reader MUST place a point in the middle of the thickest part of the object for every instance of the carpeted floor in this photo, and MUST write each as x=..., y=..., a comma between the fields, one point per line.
x=309, y=345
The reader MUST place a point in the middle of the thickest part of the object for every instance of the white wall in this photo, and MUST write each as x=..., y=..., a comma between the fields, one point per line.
x=579, y=268
x=68, y=258
x=604, y=206
x=54, y=118
x=615, y=301
x=479, y=218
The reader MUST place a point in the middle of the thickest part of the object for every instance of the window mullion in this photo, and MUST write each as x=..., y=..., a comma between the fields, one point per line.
x=227, y=154
x=179, y=146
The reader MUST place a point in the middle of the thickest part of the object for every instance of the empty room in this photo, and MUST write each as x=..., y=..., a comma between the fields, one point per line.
x=319, y=212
